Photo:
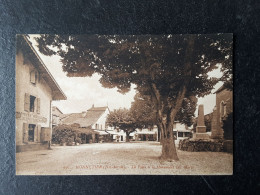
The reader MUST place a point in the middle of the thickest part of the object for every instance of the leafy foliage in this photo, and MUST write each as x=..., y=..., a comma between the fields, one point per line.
x=143, y=111
x=201, y=145
x=122, y=60
x=64, y=134
x=171, y=69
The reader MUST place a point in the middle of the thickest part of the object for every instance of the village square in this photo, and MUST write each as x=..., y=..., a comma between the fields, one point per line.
x=164, y=131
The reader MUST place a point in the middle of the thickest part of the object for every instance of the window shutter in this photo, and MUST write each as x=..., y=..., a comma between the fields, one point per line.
x=39, y=133
x=27, y=102
x=38, y=106
x=25, y=132
x=35, y=134
x=33, y=77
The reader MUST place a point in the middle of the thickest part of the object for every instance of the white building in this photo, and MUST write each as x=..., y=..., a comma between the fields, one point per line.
x=35, y=90
x=56, y=113
x=181, y=131
x=94, y=119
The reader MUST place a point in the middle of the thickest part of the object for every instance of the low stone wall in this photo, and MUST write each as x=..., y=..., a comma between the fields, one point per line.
x=201, y=145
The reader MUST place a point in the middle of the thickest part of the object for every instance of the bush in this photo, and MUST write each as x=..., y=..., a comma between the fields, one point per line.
x=201, y=145
x=70, y=141
x=63, y=134
x=78, y=140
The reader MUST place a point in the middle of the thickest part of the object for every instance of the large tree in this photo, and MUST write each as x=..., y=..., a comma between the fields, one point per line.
x=144, y=112
x=122, y=119
x=169, y=68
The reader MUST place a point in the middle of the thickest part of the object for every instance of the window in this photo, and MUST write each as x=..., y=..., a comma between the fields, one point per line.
x=32, y=103
x=180, y=134
x=223, y=109
x=33, y=77
x=31, y=132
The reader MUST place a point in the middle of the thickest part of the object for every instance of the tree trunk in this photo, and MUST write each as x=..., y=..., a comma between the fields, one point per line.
x=159, y=133
x=169, y=151
x=127, y=136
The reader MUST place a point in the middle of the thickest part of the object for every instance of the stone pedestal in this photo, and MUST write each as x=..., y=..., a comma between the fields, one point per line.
x=200, y=136
x=201, y=129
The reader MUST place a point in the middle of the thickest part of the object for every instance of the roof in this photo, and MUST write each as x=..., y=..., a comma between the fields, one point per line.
x=86, y=120
x=31, y=53
x=56, y=108
x=101, y=132
x=86, y=131
x=98, y=108
x=220, y=89
x=182, y=130
x=70, y=118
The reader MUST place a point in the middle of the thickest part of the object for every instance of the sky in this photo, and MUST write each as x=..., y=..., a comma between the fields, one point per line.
x=83, y=92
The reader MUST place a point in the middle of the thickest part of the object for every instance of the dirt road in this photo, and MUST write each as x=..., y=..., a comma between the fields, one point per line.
x=120, y=158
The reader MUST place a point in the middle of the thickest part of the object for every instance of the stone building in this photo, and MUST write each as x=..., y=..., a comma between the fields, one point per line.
x=35, y=90
x=224, y=106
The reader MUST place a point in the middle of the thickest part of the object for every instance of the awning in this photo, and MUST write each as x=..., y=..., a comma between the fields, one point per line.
x=86, y=131
x=101, y=132
x=182, y=130
x=117, y=133
x=146, y=133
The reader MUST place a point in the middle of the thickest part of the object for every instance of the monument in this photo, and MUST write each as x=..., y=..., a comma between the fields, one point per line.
x=201, y=128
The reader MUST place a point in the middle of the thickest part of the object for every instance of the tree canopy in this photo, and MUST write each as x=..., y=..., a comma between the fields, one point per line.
x=122, y=119
x=125, y=60
x=169, y=68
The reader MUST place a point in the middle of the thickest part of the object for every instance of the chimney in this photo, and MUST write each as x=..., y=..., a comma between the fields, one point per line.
x=92, y=105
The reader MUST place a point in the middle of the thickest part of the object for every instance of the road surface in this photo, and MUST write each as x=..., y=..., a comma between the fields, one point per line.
x=120, y=158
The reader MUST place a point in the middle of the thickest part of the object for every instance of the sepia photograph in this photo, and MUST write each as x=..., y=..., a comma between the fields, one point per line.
x=124, y=104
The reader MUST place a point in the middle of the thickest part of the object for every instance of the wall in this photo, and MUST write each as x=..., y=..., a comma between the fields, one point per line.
x=179, y=126
x=227, y=97
x=55, y=116
x=101, y=121
x=40, y=90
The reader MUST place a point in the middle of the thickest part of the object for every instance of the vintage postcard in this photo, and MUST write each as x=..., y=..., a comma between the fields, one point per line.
x=124, y=105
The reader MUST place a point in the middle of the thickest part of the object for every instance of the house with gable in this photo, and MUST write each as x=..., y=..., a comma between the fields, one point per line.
x=92, y=119
x=35, y=90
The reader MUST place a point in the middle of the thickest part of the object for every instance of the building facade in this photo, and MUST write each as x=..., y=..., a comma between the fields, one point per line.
x=92, y=119
x=224, y=106
x=181, y=131
x=56, y=113
x=35, y=91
